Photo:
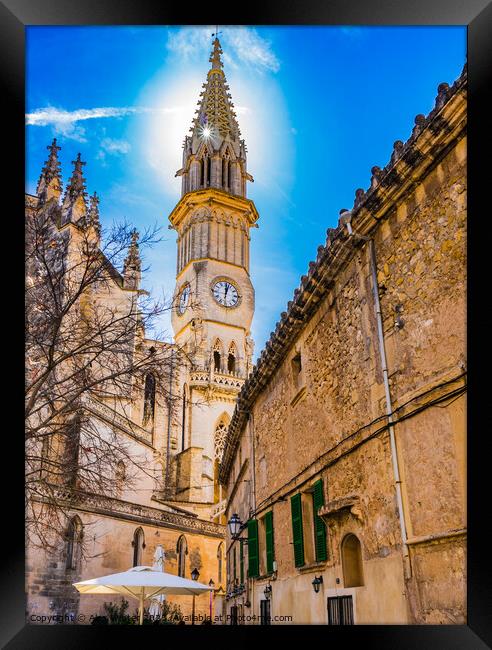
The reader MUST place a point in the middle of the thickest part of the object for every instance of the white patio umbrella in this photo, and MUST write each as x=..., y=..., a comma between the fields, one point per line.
x=141, y=582
x=155, y=608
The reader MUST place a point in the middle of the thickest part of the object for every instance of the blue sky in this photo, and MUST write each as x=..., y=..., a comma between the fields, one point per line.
x=318, y=107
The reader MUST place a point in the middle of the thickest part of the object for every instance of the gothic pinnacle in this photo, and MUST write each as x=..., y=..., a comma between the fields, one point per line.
x=76, y=184
x=74, y=205
x=215, y=59
x=93, y=219
x=132, y=264
x=49, y=184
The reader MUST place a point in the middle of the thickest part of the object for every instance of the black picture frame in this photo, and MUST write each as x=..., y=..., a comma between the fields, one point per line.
x=477, y=15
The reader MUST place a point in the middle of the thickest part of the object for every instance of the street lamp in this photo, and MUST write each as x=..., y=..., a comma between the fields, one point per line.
x=194, y=576
x=318, y=580
x=211, y=584
x=235, y=525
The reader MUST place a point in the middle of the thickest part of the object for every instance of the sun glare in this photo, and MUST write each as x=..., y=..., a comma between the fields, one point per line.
x=163, y=133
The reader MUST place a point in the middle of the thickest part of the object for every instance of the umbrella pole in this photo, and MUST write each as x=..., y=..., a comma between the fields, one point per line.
x=141, y=606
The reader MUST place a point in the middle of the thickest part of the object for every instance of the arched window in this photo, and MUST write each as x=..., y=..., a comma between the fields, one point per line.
x=352, y=562
x=231, y=358
x=220, y=553
x=182, y=552
x=120, y=476
x=202, y=173
x=138, y=546
x=183, y=422
x=149, y=398
x=216, y=361
x=217, y=350
x=220, y=436
x=74, y=534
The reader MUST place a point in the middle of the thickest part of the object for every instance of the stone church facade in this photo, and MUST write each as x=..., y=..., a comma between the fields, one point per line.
x=177, y=501
x=345, y=460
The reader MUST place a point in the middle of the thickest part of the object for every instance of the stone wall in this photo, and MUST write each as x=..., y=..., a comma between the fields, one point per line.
x=318, y=402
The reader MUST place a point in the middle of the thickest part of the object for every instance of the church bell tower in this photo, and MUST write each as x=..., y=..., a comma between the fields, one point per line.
x=214, y=296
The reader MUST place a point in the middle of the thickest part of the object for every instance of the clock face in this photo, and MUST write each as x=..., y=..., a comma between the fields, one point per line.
x=225, y=293
x=184, y=298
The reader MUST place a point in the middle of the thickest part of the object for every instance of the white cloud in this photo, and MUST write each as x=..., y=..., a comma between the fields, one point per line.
x=66, y=123
x=252, y=49
x=51, y=115
x=115, y=146
x=241, y=45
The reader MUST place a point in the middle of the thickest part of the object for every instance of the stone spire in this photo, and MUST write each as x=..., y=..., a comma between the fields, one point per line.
x=93, y=216
x=214, y=154
x=215, y=108
x=132, y=265
x=74, y=206
x=50, y=183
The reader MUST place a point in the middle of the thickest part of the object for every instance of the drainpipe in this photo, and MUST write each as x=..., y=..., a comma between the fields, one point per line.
x=251, y=596
x=346, y=217
x=253, y=473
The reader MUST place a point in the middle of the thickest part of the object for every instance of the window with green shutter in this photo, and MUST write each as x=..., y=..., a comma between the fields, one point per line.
x=234, y=572
x=298, y=542
x=270, y=553
x=253, y=554
x=319, y=524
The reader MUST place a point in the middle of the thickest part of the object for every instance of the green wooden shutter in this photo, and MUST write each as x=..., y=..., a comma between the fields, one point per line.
x=241, y=561
x=253, y=555
x=319, y=524
x=234, y=573
x=296, y=511
x=269, y=541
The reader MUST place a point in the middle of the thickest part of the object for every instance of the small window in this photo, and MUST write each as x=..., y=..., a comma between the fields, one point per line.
x=149, y=399
x=74, y=544
x=296, y=364
x=120, y=476
x=231, y=358
x=182, y=552
x=352, y=562
x=216, y=361
x=217, y=355
x=220, y=554
x=265, y=612
x=138, y=546
x=340, y=610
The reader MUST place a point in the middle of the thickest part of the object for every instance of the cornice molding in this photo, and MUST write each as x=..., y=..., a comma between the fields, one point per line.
x=212, y=195
x=118, y=509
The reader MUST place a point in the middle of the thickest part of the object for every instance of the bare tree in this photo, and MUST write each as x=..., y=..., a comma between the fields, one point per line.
x=86, y=352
